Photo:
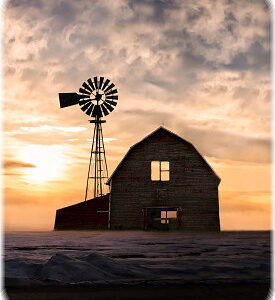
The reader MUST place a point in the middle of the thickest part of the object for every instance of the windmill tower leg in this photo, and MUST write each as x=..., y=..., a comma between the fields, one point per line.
x=98, y=171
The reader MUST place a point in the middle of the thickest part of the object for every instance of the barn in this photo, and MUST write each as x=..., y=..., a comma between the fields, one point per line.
x=162, y=183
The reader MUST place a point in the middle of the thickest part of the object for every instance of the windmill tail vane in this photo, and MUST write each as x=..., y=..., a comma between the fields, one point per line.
x=96, y=97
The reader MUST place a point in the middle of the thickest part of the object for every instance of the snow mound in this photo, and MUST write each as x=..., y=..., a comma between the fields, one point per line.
x=22, y=268
x=64, y=269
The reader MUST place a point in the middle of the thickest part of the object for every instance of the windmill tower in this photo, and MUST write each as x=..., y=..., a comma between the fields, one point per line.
x=97, y=98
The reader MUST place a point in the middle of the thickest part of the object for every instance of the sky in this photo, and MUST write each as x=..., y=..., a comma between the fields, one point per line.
x=199, y=68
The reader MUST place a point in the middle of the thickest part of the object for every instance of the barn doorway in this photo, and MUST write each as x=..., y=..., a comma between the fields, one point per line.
x=162, y=218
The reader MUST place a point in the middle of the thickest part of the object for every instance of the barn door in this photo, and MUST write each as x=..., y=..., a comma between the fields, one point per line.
x=162, y=218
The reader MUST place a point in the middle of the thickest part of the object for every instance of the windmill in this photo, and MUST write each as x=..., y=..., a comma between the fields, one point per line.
x=97, y=97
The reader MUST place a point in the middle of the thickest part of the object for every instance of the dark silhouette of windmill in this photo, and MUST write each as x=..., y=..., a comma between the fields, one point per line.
x=97, y=98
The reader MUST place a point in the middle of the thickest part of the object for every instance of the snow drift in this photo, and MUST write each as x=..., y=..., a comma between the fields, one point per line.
x=96, y=258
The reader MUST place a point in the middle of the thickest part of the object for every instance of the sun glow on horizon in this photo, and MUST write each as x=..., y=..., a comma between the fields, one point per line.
x=49, y=163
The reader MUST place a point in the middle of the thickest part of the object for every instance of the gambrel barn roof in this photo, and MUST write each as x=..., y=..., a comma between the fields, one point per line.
x=164, y=130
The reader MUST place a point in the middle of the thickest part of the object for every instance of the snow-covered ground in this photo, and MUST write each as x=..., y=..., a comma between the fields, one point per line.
x=134, y=257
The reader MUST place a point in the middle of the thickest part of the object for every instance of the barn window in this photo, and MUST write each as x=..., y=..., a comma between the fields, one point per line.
x=160, y=171
x=167, y=215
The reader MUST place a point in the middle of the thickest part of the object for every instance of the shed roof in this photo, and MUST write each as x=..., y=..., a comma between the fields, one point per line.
x=151, y=134
x=92, y=201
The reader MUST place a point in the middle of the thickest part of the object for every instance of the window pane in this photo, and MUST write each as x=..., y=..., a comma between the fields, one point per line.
x=165, y=165
x=171, y=214
x=155, y=170
x=165, y=176
x=163, y=214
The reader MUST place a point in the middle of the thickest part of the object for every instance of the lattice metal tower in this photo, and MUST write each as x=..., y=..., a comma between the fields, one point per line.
x=97, y=98
x=98, y=170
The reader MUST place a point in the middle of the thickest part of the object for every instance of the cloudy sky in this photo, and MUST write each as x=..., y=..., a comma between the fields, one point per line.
x=199, y=68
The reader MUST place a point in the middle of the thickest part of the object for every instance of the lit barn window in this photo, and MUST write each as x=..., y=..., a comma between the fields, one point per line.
x=160, y=171
x=166, y=215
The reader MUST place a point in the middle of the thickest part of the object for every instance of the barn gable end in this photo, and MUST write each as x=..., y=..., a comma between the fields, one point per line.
x=162, y=134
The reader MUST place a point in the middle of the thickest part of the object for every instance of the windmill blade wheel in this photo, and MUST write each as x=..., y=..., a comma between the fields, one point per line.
x=98, y=97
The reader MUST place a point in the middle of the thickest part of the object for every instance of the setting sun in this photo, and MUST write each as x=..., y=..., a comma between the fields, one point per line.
x=48, y=163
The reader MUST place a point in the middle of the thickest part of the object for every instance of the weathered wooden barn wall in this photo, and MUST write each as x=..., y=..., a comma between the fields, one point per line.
x=91, y=214
x=193, y=185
